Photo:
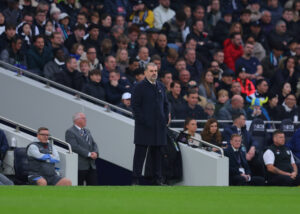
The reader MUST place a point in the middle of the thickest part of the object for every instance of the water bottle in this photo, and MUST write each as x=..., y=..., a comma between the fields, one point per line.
x=13, y=143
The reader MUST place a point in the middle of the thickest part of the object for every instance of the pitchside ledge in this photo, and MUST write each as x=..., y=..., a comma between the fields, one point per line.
x=33, y=104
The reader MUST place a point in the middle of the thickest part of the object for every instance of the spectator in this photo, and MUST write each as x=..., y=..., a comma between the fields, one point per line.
x=2, y=23
x=55, y=66
x=56, y=41
x=174, y=97
x=92, y=39
x=166, y=79
x=116, y=87
x=247, y=86
x=184, y=79
x=143, y=57
x=262, y=88
x=84, y=145
x=76, y=37
x=223, y=97
x=64, y=25
x=161, y=46
x=214, y=15
x=289, y=74
x=251, y=64
x=190, y=128
x=266, y=22
x=288, y=109
x=276, y=10
x=221, y=30
x=239, y=171
x=168, y=63
x=234, y=107
x=84, y=68
x=233, y=50
x=129, y=73
x=105, y=25
x=226, y=80
x=258, y=50
x=91, y=57
x=193, y=65
x=12, y=13
x=249, y=145
x=94, y=86
x=126, y=102
x=71, y=8
x=284, y=92
x=141, y=15
x=191, y=108
x=110, y=65
x=176, y=29
x=7, y=36
x=70, y=77
x=235, y=89
x=206, y=87
x=14, y=54
x=122, y=60
x=280, y=163
x=115, y=7
x=271, y=62
x=272, y=106
x=256, y=109
x=39, y=22
x=162, y=13
x=279, y=35
x=211, y=133
x=42, y=157
x=38, y=55
x=77, y=51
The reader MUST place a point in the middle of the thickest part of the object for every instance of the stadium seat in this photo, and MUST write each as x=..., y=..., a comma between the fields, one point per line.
x=288, y=127
x=21, y=166
x=258, y=132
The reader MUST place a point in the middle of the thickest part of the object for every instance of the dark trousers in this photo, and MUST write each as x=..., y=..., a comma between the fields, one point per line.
x=140, y=153
x=283, y=180
x=90, y=176
x=238, y=180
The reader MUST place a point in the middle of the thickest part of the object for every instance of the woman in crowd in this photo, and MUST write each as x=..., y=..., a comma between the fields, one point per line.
x=190, y=128
x=206, y=87
x=211, y=133
x=122, y=59
x=285, y=90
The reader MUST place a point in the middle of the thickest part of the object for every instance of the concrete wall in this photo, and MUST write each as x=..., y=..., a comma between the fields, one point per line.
x=68, y=162
x=31, y=103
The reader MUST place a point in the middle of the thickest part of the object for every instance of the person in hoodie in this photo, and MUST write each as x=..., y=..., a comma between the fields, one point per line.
x=233, y=50
x=94, y=86
x=56, y=65
x=71, y=77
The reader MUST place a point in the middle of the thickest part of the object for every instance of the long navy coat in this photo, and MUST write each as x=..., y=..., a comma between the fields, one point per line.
x=150, y=109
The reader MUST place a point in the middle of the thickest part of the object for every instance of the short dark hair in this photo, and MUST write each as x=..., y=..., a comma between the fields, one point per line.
x=10, y=26
x=260, y=81
x=69, y=58
x=132, y=60
x=173, y=83
x=236, y=116
x=37, y=37
x=95, y=72
x=277, y=132
x=42, y=129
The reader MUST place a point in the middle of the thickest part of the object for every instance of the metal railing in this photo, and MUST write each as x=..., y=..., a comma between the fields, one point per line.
x=48, y=83
x=19, y=126
x=205, y=143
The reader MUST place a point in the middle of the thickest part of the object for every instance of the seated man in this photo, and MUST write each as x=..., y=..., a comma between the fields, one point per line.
x=42, y=157
x=239, y=171
x=280, y=163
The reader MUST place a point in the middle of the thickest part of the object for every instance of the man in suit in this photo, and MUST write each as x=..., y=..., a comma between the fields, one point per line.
x=249, y=145
x=151, y=114
x=84, y=145
x=239, y=171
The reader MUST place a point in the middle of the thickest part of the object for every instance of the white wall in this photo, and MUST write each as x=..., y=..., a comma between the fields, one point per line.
x=31, y=103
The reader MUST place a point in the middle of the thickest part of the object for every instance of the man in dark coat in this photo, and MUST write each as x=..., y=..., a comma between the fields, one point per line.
x=151, y=114
x=239, y=171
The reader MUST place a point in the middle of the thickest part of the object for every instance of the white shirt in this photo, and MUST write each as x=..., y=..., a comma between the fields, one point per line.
x=162, y=15
x=269, y=157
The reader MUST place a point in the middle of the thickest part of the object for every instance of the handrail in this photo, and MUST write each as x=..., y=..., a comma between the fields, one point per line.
x=230, y=121
x=49, y=83
x=206, y=143
x=19, y=125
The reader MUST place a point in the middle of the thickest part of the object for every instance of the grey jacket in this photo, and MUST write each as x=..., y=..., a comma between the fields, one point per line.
x=82, y=148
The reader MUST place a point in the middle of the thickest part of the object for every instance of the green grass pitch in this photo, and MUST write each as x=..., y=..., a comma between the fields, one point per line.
x=146, y=199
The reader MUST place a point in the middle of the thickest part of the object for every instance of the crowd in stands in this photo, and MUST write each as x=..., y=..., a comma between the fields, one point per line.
x=217, y=59
x=201, y=47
